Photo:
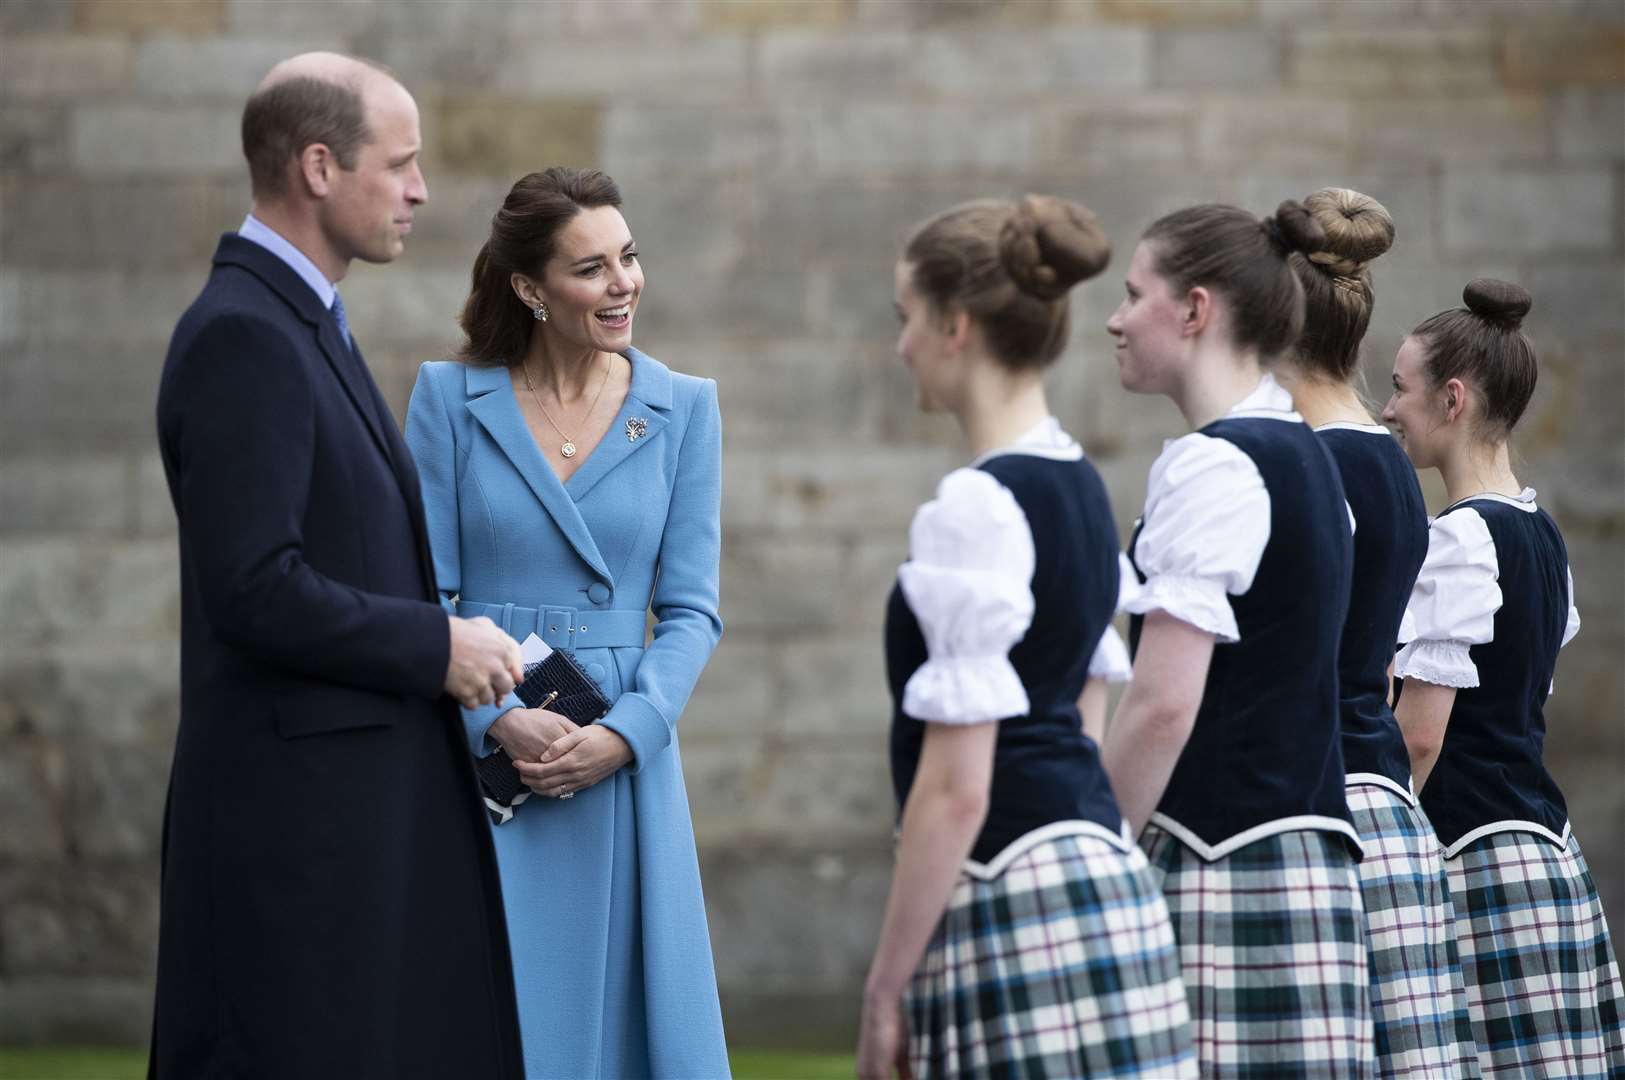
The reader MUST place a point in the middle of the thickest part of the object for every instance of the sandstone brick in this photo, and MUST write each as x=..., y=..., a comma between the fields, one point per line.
x=827, y=491
x=1041, y=63
x=33, y=139
x=762, y=296
x=224, y=68
x=85, y=495
x=774, y=394
x=80, y=919
x=1593, y=54
x=31, y=782
x=405, y=303
x=1155, y=132
x=735, y=698
x=969, y=13
x=54, y=222
x=329, y=18
x=104, y=306
x=748, y=14
x=1525, y=13
x=509, y=139
x=1591, y=124
x=793, y=65
x=66, y=589
x=1176, y=12
x=75, y=399
x=1394, y=59
x=646, y=140
x=1515, y=127
x=1217, y=59
x=1342, y=13
x=873, y=138
x=650, y=66
x=769, y=585
x=1577, y=300
x=59, y=67
x=1529, y=211
x=182, y=16
x=150, y=140
x=76, y=1010
x=106, y=817
x=34, y=16
x=833, y=687
x=125, y=693
x=1295, y=131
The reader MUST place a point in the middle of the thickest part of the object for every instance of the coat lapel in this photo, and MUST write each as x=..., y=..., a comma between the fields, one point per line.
x=492, y=402
x=648, y=400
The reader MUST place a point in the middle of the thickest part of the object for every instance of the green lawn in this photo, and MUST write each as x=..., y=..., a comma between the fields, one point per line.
x=75, y=1064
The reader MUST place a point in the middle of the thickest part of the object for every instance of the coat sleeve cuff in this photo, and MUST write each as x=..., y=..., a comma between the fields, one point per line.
x=477, y=722
x=645, y=730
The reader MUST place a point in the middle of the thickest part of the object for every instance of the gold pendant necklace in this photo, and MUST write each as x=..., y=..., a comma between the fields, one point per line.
x=569, y=447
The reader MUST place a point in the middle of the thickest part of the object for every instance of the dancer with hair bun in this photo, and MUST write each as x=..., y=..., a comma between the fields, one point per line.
x=1491, y=608
x=1225, y=747
x=1023, y=935
x=1418, y=1002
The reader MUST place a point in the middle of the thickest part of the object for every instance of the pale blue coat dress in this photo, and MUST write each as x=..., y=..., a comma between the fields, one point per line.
x=612, y=959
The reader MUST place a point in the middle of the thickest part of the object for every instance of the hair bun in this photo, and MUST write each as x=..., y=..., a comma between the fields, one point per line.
x=1358, y=228
x=1294, y=229
x=1048, y=245
x=1498, y=301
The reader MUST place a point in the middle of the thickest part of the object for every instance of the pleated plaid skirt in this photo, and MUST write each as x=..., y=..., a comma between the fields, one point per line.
x=1272, y=945
x=1543, y=984
x=1062, y=966
x=1418, y=999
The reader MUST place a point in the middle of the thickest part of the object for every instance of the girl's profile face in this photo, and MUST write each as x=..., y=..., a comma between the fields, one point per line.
x=922, y=342
x=1414, y=411
x=1147, y=327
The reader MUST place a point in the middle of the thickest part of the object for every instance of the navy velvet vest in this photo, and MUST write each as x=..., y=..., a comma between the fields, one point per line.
x=1490, y=768
x=1265, y=746
x=1390, y=542
x=1044, y=769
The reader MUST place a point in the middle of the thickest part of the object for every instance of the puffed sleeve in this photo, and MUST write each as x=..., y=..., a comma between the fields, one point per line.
x=1453, y=602
x=969, y=583
x=1206, y=523
x=1111, y=660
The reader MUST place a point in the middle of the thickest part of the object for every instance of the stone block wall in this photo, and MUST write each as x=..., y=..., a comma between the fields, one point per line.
x=771, y=153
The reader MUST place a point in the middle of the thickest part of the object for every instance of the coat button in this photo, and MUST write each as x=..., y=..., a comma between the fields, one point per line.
x=596, y=670
x=598, y=592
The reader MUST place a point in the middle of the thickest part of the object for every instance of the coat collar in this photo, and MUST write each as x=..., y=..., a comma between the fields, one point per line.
x=492, y=401
x=298, y=295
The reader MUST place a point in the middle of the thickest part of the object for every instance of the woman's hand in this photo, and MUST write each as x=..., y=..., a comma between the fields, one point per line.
x=526, y=734
x=883, y=1039
x=577, y=760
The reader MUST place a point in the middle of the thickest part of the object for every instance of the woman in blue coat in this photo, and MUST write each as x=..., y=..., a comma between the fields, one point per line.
x=571, y=485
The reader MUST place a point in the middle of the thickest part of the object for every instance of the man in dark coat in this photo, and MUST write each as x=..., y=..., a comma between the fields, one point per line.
x=330, y=901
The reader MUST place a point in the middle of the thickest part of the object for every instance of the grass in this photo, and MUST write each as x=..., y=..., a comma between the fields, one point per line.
x=57, y=1063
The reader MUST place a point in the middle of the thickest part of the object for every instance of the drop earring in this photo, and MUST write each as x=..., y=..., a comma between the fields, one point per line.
x=539, y=312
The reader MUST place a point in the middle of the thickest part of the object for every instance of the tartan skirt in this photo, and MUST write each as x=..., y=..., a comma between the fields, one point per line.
x=1418, y=999
x=1272, y=945
x=1543, y=984
x=1061, y=966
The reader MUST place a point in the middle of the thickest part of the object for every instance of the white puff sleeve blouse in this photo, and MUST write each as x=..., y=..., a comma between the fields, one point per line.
x=1206, y=524
x=969, y=583
x=1453, y=602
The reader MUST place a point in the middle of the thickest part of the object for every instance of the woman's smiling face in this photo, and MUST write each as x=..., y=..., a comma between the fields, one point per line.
x=592, y=284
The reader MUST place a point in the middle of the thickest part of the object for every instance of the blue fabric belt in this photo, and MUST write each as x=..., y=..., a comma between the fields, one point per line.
x=564, y=627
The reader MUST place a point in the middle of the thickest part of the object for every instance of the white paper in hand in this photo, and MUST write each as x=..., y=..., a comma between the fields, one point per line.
x=533, y=650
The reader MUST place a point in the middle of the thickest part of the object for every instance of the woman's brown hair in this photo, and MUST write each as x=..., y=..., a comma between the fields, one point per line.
x=524, y=234
x=1009, y=266
x=1227, y=250
x=1336, y=279
x=1483, y=344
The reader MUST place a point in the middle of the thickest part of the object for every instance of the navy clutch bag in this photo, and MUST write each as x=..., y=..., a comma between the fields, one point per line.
x=559, y=685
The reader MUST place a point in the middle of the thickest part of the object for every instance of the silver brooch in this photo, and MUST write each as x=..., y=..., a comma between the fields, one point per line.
x=636, y=428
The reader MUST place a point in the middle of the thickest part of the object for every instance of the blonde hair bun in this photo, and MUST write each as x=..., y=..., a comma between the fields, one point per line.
x=1048, y=245
x=1358, y=228
x=1498, y=301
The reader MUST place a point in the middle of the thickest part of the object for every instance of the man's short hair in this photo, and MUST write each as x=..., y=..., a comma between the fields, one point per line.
x=282, y=119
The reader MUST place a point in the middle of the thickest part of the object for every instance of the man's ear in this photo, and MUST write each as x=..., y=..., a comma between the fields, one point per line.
x=316, y=166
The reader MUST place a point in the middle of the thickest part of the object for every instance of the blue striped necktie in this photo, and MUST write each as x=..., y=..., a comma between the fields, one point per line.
x=344, y=324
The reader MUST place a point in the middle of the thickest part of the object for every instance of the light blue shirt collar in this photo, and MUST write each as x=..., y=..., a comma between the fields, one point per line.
x=268, y=238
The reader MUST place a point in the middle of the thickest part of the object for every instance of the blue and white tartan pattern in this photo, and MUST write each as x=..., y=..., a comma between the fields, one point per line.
x=1418, y=1000
x=1543, y=984
x=1272, y=944
x=1063, y=966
